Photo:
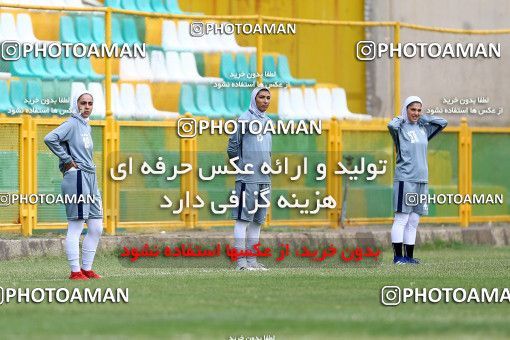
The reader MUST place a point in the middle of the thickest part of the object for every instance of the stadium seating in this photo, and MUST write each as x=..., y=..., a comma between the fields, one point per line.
x=218, y=103
x=203, y=101
x=19, y=68
x=173, y=67
x=34, y=93
x=324, y=102
x=96, y=90
x=84, y=30
x=85, y=67
x=189, y=67
x=146, y=106
x=67, y=31
x=5, y=101
x=129, y=32
x=228, y=68
x=98, y=29
x=232, y=101
x=158, y=67
x=17, y=95
x=187, y=100
x=70, y=67
x=311, y=105
x=340, y=109
x=36, y=67
x=283, y=71
x=8, y=30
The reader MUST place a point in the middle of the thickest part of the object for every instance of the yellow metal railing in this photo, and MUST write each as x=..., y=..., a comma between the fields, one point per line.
x=188, y=147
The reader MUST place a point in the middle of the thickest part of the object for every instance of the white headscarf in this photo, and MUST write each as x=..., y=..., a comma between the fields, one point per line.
x=74, y=104
x=409, y=100
x=253, y=103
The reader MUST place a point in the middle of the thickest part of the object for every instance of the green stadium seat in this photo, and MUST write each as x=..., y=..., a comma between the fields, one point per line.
x=17, y=95
x=112, y=3
x=244, y=97
x=34, y=92
x=85, y=67
x=228, y=67
x=283, y=70
x=218, y=102
x=19, y=68
x=129, y=4
x=203, y=101
x=67, y=32
x=98, y=29
x=116, y=31
x=71, y=68
x=144, y=5
x=36, y=66
x=52, y=65
x=5, y=102
x=129, y=32
x=84, y=30
x=158, y=6
x=243, y=67
x=61, y=89
x=270, y=66
x=173, y=7
x=232, y=100
x=186, y=100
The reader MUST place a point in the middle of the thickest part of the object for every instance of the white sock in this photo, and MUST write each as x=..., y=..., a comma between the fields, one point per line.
x=74, y=230
x=252, y=238
x=397, y=231
x=240, y=239
x=410, y=229
x=94, y=231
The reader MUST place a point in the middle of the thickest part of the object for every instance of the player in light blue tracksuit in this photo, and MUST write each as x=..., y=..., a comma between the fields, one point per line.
x=252, y=149
x=411, y=132
x=72, y=143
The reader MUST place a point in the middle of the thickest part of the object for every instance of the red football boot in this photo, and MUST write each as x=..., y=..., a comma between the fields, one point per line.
x=90, y=274
x=78, y=276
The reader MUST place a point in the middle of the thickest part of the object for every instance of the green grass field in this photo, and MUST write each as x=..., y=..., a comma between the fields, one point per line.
x=299, y=303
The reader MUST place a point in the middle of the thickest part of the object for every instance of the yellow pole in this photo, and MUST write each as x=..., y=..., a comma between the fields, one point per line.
x=259, y=48
x=108, y=62
x=333, y=182
x=464, y=151
x=27, y=173
x=110, y=143
x=396, y=70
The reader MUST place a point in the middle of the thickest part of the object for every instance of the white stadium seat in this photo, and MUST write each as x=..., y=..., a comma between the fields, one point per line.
x=99, y=112
x=284, y=108
x=127, y=69
x=311, y=105
x=169, y=39
x=143, y=68
x=297, y=104
x=128, y=102
x=146, y=107
x=8, y=29
x=324, y=102
x=173, y=67
x=76, y=88
x=158, y=67
x=189, y=67
x=340, y=109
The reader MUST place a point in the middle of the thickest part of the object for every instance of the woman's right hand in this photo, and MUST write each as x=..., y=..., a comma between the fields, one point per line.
x=70, y=165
